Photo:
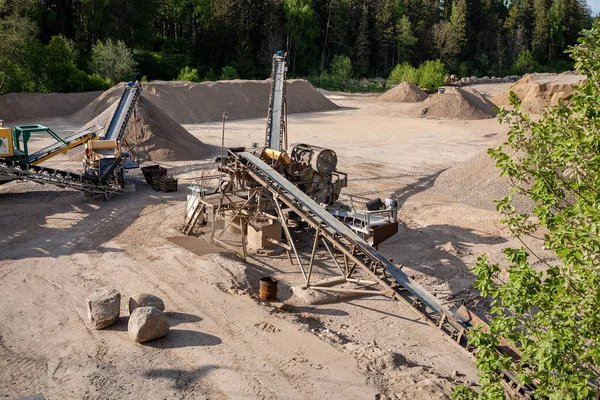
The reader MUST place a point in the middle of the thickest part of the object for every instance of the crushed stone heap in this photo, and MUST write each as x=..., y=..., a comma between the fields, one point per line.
x=404, y=92
x=536, y=91
x=456, y=103
x=158, y=136
x=195, y=103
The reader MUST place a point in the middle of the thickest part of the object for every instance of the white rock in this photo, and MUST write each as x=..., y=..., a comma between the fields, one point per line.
x=145, y=300
x=147, y=323
x=103, y=308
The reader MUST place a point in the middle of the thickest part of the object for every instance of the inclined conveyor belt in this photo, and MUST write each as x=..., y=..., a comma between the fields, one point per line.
x=119, y=121
x=58, y=147
x=341, y=229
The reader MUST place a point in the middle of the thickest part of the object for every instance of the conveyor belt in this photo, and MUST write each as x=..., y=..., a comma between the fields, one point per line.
x=341, y=229
x=451, y=321
x=276, y=118
x=118, y=123
x=60, y=147
x=11, y=170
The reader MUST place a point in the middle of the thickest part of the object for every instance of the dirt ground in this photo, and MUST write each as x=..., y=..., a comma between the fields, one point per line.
x=57, y=247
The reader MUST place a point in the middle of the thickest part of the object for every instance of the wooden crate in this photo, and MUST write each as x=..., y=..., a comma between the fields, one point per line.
x=165, y=184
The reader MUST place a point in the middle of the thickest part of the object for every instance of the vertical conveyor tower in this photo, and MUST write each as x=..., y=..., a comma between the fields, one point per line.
x=276, y=136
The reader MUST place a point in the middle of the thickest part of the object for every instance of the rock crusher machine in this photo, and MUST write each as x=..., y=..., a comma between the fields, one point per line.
x=272, y=189
x=104, y=161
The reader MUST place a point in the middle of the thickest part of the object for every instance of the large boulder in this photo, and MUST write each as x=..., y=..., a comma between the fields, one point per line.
x=103, y=308
x=147, y=323
x=145, y=300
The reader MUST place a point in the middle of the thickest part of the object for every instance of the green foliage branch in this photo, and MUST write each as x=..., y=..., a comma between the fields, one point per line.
x=549, y=314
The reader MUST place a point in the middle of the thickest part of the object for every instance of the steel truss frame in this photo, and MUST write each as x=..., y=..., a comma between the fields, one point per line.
x=454, y=325
x=63, y=179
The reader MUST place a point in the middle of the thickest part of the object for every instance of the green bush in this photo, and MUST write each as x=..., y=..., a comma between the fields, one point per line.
x=404, y=73
x=59, y=73
x=341, y=67
x=113, y=61
x=95, y=82
x=525, y=63
x=188, y=74
x=328, y=82
x=155, y=65
x=432, y=74
x=228, y=73
x=211, y=75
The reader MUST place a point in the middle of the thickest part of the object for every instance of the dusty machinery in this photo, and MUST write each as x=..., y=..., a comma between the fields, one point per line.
x=311, y=168
x=104, y=161
x=264, y=193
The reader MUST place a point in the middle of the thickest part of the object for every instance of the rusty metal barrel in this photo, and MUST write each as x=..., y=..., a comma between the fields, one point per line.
x=268, y=289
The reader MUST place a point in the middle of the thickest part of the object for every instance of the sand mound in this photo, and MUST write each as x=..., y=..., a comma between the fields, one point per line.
x=98, y=105
x=157, y=136
x=477, y=182
x=456, y=103
x=19, y=106
x=539, y=90
x=404, y=93
x=193, y=103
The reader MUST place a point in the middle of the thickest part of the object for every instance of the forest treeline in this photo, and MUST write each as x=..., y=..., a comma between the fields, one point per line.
x=92, y=41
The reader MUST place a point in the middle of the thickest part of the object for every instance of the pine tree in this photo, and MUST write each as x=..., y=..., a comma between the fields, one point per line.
x=540, y=32
x=385, y=24
x=458, y=22
x=405, y=39
x=362, y=45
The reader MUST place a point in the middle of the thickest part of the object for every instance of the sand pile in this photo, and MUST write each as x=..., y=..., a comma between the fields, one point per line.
x=456, y=103
x=157, y=136
x=98, y=105
x=404, y=93
x=539, y=90
x=19, y=106
x=193, y=103
x=477, y=182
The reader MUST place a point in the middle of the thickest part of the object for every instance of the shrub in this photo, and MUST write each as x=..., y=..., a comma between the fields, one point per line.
x=211, y=75
x=157, y=65
x=96, y=82
x=112, y=61
x=228, y=72
x=524, y=63
x=548, y=311
x=59, y=73
x=188, y=74
x=341, y=67
x=404, y=73
x=432, y=74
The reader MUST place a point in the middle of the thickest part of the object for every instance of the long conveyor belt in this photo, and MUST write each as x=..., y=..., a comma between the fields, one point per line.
x=60, y=147
x=11, y=170
x=399, y=285
x=118, y=123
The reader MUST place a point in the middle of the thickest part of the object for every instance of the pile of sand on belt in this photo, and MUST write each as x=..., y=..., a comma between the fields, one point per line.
x=157, y=136
x=193, y=103
x=536, y=91
x=456, y=103
x=404, y=92
x=19, y=106
x=477, y=183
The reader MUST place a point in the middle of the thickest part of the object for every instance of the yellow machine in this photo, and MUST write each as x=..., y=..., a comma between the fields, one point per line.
x=6, y=142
